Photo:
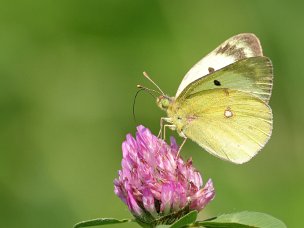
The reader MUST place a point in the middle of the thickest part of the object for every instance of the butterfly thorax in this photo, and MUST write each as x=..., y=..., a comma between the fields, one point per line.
x=164, y=102
x=180, y=116
x=177, y=115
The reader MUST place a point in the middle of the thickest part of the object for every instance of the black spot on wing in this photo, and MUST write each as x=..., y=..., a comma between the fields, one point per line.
x=217, y=83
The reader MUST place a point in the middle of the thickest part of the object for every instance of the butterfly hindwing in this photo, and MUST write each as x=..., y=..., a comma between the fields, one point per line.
x=238, y=47
x=230, y=124
x=252, y=75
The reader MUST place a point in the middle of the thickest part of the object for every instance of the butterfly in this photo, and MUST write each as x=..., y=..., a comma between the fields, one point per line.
x=222, y=102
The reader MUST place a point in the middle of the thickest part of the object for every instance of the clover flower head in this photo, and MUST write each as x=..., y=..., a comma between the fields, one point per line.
x=156, y=184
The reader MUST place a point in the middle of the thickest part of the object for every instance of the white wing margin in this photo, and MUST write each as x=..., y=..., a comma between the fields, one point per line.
x=238, y=47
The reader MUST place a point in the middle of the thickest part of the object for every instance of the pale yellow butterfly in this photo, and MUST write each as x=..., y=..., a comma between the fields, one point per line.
x=222, y=102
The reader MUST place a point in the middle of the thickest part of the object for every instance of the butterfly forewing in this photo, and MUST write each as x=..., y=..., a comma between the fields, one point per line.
x=236, y=48
x=252, y=75
x=229, y=124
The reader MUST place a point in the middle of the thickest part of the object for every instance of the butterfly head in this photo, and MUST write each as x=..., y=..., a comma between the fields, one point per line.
x=163, y=101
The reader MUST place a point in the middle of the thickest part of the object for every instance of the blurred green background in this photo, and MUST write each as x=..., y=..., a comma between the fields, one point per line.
x=68, y=75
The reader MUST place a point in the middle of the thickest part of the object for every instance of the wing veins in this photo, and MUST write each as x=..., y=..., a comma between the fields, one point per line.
x=232, y=131
x=270, y=122
x=210, y=149
x=242, y=130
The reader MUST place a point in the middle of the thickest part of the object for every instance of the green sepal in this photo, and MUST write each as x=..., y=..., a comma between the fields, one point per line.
x=145, y=220
x=243, y=219
x=101, y=221
x=185, y=220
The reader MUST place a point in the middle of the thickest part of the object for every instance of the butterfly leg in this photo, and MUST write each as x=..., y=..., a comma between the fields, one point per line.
x=162, y=120
x=181, y=146
x=170, y=126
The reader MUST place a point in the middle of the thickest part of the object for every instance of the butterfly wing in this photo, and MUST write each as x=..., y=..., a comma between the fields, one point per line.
x=252, y=75
x=230, y=124
x=236, y=48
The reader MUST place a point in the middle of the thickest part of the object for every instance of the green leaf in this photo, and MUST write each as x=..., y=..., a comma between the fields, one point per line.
x=185, y=220
x=243, y=219
x=101, y=221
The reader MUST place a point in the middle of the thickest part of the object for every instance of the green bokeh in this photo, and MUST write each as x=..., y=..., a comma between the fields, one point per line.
x=68, y=75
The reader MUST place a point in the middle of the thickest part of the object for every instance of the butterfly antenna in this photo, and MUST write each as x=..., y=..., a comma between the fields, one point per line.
x=147, y=89
x=141, y=88
x=147, y=77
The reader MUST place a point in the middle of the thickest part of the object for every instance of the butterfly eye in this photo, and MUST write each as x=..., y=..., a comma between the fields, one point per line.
x=217, y=83
x=165, y=103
